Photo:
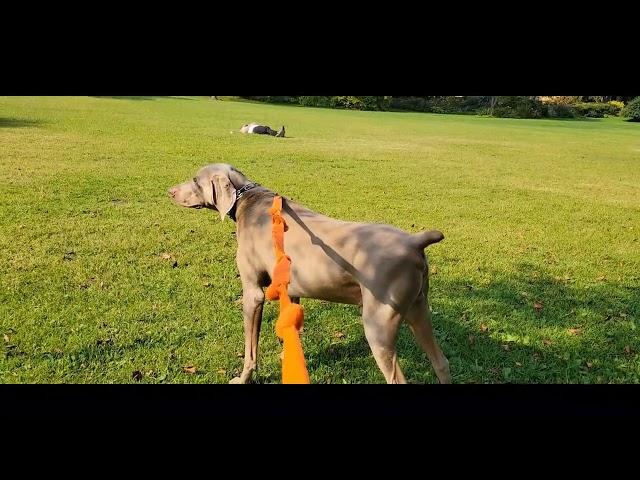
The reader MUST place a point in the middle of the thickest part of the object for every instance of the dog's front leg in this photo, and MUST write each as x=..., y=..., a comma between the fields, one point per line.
x=252, y=303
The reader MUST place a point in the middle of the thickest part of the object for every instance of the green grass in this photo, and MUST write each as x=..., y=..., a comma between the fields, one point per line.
x=533, y=211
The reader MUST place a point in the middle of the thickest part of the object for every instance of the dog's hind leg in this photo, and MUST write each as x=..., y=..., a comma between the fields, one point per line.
x=381, y=324
x=419, y=320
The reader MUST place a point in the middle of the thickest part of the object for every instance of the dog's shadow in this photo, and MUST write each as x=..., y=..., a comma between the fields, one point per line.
x=491, y=333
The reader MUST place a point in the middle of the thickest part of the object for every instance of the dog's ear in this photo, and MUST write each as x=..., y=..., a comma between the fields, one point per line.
x=224, y=194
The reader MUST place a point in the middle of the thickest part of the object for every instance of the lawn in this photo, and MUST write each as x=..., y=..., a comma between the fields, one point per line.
x=103, y=280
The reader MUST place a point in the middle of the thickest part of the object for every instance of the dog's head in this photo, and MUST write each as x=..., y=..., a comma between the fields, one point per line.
x=212, y=187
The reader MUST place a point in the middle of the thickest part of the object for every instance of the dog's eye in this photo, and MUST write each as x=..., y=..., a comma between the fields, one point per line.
x=195, y=179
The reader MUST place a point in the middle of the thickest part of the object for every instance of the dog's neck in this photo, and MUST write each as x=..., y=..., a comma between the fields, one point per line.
x=237, y=179
x=242, y=185
x=239, y=197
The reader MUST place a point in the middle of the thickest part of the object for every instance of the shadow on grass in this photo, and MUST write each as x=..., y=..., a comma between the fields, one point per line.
x=19, y=122
x=574, y=119
x=493, y=334
x=103, y=351
x=141, y=97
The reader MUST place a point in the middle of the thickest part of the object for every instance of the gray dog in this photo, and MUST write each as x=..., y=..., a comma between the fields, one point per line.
x=261, y=130
x=380, y=268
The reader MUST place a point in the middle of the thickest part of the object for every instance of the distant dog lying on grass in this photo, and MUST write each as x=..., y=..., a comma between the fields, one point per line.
x=261, y=130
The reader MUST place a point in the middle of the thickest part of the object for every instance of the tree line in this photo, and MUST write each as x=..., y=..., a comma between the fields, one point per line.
x=497, y=106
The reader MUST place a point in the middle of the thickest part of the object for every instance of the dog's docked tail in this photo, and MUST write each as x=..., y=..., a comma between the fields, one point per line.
x=424, y=239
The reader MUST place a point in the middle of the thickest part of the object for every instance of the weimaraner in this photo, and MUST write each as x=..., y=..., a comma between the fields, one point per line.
x=261, y=130
x=380, y=268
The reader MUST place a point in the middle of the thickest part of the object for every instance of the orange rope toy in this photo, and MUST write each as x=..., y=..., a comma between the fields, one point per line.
x=291, y=318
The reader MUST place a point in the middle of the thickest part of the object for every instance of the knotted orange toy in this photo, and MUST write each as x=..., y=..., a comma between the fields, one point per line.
x=291, y=318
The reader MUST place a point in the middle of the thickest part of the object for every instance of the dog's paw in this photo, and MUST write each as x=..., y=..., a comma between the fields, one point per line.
x=236, y=380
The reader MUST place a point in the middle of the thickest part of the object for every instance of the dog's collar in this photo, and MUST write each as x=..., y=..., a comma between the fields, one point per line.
x=239, y=194
x=241, y=191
